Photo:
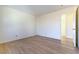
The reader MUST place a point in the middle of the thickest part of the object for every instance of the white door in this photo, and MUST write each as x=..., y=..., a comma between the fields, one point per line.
x=74, y=30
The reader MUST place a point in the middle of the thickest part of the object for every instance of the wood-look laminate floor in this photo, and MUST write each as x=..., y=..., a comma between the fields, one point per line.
x=37, y=45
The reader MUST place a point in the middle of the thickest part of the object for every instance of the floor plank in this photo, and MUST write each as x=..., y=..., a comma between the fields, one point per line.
x=37, y=45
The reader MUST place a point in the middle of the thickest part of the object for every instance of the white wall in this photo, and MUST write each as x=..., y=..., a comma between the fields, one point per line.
x=15, y=22
x=49, y=25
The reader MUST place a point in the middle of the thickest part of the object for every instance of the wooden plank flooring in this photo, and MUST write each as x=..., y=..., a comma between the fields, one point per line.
x=37, y=45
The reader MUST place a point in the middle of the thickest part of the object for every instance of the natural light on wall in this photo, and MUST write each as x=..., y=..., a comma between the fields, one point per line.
x=70, y=25
x=67, y=25
x=63, y=25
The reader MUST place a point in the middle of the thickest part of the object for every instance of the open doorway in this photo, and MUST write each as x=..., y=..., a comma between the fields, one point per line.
x=67, y=33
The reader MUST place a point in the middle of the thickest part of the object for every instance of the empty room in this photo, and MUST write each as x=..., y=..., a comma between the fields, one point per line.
x=39, y=29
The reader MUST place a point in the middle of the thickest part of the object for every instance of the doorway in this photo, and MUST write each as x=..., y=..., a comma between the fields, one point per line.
x=67, y=32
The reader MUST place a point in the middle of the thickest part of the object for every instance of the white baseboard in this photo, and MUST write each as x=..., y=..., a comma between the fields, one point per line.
x=49, y=37
x=8, y=40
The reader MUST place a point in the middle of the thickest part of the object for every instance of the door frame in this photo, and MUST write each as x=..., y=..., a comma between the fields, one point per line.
x=77, y=27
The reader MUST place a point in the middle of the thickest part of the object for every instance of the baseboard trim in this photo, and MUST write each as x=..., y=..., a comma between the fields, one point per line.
x=16, y=39
x=48, y=37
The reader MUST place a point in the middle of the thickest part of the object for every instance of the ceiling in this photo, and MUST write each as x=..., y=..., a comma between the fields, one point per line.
x=38, y=9
x=43, y=9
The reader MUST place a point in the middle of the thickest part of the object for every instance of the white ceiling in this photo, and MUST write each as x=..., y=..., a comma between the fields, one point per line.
x=43, y=9
x=38, y=9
